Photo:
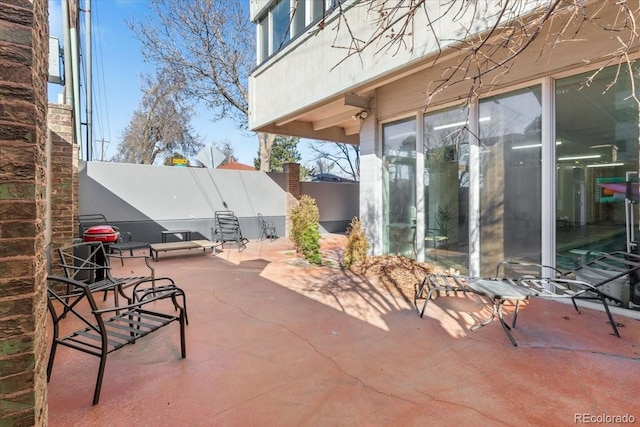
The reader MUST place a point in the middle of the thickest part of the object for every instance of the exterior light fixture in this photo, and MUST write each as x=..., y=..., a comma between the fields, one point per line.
x=361, y=115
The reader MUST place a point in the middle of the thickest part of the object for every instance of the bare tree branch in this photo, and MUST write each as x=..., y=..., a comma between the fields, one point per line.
x=345, y=157
x=211, y=44
x=160, y=125
x=512, y=27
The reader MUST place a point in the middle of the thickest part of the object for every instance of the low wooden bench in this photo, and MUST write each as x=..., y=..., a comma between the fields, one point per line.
x=105, y=330
x=155, y=248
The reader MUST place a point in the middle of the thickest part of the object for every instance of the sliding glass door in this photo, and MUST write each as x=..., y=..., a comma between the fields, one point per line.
x=399, y=187
x=446, y=188
x=596, y=154
x=494, y=176
x=510, y=178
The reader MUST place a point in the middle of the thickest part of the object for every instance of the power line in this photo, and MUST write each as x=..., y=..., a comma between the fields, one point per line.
x=101, y=86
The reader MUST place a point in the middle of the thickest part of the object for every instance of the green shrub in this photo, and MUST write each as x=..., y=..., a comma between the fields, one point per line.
x=357, y=248
x=311, y=244
x=304, y=229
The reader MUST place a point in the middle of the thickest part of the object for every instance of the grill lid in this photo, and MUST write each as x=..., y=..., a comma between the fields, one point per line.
x=101, y=233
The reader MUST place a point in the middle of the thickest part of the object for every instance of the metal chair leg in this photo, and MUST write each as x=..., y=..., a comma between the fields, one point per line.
x=505, y=327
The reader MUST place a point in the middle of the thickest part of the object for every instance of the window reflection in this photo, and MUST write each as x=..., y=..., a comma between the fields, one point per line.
x=280, y=19
x=597, y=151
x=286, y=20
x=510, y=178
x=399, y=187
x=446, y=188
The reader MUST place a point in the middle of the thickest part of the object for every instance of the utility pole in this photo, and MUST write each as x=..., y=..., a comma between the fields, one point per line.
x=102, y=141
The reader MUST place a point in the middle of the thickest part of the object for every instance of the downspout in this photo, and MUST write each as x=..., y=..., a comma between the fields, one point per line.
x=87, y=18
x=75, y=61
x=68, y=78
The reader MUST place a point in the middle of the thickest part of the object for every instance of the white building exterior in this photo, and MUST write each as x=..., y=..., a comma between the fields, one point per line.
x=534, y=168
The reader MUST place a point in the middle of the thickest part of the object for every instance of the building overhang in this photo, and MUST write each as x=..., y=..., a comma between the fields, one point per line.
x=337, y=120
x=326, y=95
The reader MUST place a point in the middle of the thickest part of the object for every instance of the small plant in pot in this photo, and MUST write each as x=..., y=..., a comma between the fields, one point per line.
x=444, y=217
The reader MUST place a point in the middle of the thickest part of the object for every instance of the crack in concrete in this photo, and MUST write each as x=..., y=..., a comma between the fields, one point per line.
x=317, y=351
x=577, y=350
x=248, y=400
x=458, y=405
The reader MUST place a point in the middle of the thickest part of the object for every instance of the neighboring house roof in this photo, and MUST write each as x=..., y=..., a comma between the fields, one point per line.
x=236, y=166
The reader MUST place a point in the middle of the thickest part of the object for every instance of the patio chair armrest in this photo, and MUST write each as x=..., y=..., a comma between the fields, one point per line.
x=542, y=286
x=541, y=267
x=159, y=281
x=137, y=303
x=146, y=258
x=160, y=286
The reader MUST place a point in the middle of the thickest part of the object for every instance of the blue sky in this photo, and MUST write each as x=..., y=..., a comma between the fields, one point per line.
x=117, y=69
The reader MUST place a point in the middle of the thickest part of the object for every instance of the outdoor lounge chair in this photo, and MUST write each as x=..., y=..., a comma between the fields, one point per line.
x=613, y=274
x=591, y=281
x=227, y=229
x=498, y=291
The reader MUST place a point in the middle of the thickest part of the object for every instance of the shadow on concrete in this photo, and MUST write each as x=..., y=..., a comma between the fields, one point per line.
x=274, y=343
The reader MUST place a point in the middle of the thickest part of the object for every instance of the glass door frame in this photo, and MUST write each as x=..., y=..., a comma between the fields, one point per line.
x=548, y=174
x=419, y=179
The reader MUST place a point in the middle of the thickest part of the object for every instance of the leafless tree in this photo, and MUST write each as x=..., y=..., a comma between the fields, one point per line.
x=345, y=157
x=321, y=165
x=512, y=27
x=227, y=149
x=211, y=43
x=160, y=125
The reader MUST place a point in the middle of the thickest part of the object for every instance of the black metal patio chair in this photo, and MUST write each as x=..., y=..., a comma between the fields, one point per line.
x=267, y=229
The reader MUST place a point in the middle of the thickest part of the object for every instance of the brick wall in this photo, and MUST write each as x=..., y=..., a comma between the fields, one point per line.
x=23, y=137
x=64, y=179
x=292, y=189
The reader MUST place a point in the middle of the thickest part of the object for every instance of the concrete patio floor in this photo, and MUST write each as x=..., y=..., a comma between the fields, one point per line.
x=274, y=343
